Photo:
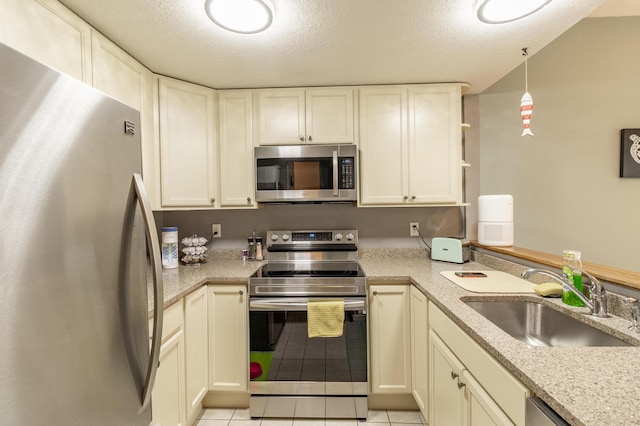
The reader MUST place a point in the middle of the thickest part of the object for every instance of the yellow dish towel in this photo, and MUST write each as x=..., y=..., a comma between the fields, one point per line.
x=325, y=317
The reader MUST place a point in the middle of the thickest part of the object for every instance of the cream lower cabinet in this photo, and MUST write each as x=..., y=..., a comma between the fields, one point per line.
x=50, y=33
x=237, y=170
x=467, y=386
x=228, y=338
x=168, y=395
x=187, y=144
x=196, y=351
x=410, y=145
x=420, y=350
x=390, y=336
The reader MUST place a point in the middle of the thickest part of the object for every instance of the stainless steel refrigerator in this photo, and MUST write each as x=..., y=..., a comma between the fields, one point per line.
x=75, y=225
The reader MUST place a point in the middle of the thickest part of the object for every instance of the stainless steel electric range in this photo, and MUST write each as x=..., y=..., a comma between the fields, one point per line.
x=293, y=375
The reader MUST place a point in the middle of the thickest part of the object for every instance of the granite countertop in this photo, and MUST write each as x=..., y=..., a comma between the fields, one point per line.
x=186, y=278
x=589, y=386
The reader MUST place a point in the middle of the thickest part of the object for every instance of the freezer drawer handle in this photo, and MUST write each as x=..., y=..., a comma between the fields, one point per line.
x=138, y=195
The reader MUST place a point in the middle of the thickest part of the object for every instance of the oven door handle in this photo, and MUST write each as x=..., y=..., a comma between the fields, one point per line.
x=298, y=304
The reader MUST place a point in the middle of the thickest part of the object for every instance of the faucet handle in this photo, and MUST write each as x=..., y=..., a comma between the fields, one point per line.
x=634, y=304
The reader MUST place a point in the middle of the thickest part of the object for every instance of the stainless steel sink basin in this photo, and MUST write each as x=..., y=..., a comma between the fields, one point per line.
x=540, y=325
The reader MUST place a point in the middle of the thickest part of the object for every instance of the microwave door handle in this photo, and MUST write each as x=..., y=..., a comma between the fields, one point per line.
x=335, y=173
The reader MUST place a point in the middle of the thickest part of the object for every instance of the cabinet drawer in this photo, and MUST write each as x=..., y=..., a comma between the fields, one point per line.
x=503, y=387
x=173, y=321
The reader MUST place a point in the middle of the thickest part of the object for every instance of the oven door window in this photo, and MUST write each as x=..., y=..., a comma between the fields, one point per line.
x=280, y=349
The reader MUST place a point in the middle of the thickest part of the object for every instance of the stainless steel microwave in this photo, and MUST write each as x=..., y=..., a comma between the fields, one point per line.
x=306, y=173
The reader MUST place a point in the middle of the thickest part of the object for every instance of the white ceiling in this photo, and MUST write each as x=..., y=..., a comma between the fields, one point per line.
x=332, y=42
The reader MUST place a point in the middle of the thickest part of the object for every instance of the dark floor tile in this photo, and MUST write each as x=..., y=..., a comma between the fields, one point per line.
x=312, y=376
x=338, y=376
x=288, y=374
x=340, y=364
x=291, y=364
x=313, y=364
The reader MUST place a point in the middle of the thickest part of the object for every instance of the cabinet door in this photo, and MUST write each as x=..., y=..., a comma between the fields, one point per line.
x=435, y=144
x=390, y=329
x=125, y=79
x=168, y=393
x=329, y=116
x=196, y=350
x=49, y=33
x=383, y=145
x=419, y=350
x=228, y=338
x=446, y=404
x=187, y=144
x=237, y=176
x=480, y=409
x=281, y=118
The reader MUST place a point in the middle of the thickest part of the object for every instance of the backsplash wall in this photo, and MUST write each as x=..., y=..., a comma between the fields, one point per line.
x=377, y=227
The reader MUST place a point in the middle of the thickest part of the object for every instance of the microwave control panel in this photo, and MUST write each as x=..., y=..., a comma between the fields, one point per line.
x=346, y=173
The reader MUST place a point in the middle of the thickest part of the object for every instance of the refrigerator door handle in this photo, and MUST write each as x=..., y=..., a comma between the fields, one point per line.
x=158, y=288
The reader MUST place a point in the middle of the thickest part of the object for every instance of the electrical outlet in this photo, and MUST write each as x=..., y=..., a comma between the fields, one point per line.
x=414, y=229
x=216, y=230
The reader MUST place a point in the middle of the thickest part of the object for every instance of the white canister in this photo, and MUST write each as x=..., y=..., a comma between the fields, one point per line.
x=170, y=247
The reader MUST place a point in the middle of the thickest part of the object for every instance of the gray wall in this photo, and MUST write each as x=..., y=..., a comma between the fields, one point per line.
x=377, y=227
x=567, y=193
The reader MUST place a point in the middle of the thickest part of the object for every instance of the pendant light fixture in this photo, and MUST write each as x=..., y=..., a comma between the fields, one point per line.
x=501, y=11
x=240, y=16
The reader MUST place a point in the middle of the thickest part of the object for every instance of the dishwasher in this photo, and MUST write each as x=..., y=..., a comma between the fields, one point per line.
x=540, y=414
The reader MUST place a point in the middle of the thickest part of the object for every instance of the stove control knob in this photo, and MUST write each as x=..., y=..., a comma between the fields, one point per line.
x=274, y=237
x=338, y=237
x=349, y=236
x=285, y=237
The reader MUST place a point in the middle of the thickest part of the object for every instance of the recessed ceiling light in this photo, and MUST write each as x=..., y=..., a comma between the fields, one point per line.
x=240, y=16
x=501, y=11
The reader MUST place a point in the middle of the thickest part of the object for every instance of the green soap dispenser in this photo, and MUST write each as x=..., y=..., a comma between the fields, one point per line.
x=570, y=262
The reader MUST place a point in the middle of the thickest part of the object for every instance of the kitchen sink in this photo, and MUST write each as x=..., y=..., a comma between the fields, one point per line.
x=540, y=325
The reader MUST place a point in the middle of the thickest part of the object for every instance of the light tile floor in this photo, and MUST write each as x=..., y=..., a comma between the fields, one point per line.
x=240, y=417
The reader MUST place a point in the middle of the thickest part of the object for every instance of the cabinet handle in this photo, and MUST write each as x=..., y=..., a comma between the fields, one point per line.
x=406, y=197
x=413, y=197
x=310, y=138
x=461, y=384
x=213, y=200
x=248, y=200
x=301, y=138
x=454, y=375
x=375, y=293
x=241, y=292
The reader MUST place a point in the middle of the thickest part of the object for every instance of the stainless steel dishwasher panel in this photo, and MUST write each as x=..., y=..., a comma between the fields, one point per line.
x=540, y=414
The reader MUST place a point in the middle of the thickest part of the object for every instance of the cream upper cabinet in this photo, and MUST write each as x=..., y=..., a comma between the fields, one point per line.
x=435, y=147
x=49, y=33
x=187, y=144
x=420, y=350
x=120, y=76
x=390, y=335
x=237, y=175
x=228, y=338
x=196, y=337
x=311, y=116
x=410, y=145
x=383, y=145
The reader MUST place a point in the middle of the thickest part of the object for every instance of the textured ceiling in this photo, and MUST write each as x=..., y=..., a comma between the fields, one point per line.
x=330, y=42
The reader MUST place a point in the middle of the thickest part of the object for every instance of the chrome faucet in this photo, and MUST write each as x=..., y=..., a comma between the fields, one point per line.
x=597, y=302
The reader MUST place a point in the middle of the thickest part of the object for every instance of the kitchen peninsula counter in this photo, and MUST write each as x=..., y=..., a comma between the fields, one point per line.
x=590, y=386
